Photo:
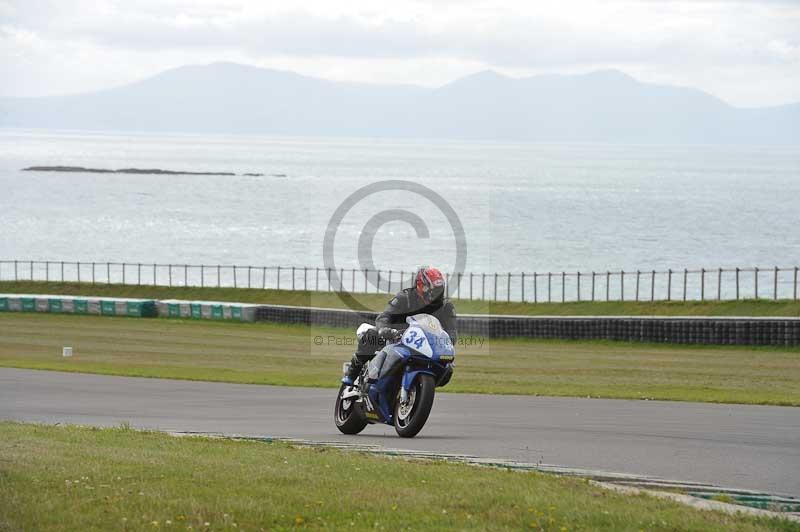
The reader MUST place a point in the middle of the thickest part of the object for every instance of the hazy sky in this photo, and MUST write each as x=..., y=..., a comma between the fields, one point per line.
x=746, y=52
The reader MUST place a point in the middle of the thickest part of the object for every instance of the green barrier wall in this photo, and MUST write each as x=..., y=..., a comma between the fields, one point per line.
x=65, y=304
x=207, y=310
x=670, y=329
x=55, y=305
x=109, y=306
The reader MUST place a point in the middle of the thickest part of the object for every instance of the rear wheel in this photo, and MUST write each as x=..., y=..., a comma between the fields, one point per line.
x=347, y=414
x=409, y=418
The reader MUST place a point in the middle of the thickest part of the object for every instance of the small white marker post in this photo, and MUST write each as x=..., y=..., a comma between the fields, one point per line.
x=66, y=351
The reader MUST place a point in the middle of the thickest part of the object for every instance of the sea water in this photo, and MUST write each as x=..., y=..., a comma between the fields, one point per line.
x=523, y=206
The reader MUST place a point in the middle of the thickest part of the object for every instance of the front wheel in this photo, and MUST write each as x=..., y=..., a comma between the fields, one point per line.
x=347, y=414
x=409, y=418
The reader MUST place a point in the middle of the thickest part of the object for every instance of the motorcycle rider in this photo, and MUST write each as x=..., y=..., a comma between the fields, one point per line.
x=427, y=296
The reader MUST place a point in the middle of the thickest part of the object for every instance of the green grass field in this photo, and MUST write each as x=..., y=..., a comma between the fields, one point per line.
x=267, y=353
x=72, y=478
x=376, y=302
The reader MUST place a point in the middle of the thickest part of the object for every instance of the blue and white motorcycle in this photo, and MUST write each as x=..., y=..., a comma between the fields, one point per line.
x=397, y=385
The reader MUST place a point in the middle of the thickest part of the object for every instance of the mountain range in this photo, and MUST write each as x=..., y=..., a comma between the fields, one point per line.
x=602, y=106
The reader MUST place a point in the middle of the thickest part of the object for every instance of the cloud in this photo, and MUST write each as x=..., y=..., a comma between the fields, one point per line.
x=579, y=32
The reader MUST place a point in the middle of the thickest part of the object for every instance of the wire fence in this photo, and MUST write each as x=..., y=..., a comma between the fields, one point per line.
x=620, y=285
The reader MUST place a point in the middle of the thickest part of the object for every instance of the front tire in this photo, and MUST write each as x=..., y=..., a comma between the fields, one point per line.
x=347, y=415
x=411, y=417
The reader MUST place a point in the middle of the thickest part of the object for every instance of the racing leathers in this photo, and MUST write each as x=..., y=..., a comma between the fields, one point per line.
x=392, y=321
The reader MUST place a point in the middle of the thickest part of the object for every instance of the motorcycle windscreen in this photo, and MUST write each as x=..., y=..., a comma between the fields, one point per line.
x=384, y=364
x=438, y=341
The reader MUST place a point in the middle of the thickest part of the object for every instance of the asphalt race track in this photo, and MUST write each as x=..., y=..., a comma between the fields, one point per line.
x=735, y=446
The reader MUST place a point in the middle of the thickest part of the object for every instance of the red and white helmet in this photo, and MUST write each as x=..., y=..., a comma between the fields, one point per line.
x=430, y=284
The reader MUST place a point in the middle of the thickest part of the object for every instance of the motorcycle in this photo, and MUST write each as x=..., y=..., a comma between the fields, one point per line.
x=397, y=385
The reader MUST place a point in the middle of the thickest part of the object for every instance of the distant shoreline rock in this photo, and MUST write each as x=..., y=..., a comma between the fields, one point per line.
x=140, y=171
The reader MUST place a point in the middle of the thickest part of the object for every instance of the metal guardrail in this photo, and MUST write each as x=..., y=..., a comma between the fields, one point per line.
x=620, y=285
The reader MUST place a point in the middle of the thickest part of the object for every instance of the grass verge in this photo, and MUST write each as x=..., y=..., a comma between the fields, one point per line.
x=748, y=307
x=74, y=478
x=267, y=353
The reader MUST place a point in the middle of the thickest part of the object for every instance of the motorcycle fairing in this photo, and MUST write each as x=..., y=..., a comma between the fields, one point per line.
x=424, y=348
x=381, y=373
x=425, y=336
x=386, y=361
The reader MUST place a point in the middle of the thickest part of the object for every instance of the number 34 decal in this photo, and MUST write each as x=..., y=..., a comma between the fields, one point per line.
x=413, y=338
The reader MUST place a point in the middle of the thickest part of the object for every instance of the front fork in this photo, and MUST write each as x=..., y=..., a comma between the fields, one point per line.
x=403, y=396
